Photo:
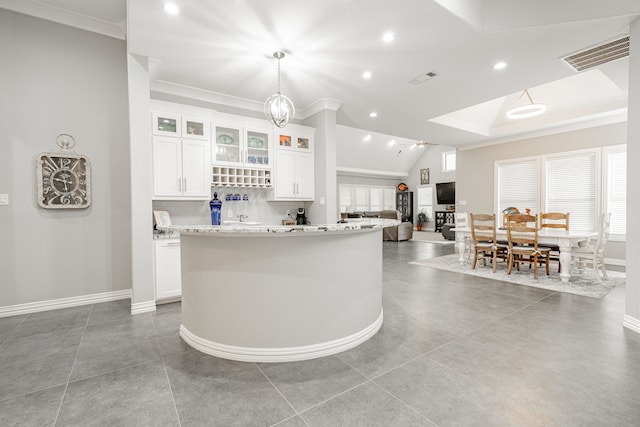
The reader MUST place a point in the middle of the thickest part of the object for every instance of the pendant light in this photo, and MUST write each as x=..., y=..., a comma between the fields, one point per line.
x=278, y=108
x=528, y=110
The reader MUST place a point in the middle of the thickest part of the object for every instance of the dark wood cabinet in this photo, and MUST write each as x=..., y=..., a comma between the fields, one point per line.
x=444, y=217
x=404, y=203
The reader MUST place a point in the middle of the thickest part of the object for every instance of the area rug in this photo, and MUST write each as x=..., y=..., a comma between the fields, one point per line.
x=583, y=284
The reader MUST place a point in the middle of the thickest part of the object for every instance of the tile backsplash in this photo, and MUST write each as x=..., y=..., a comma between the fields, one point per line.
x=257, y=208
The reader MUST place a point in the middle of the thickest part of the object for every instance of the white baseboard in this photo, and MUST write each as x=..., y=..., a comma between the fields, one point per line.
x=631, y=323
x=143, y=307
x=288, y=354
x=34, y=307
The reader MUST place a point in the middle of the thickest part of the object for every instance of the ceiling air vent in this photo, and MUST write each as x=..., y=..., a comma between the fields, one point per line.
x=599, y=55
x=423, y=77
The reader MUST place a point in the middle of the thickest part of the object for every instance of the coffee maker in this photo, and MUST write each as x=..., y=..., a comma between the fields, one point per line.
x=301, y=218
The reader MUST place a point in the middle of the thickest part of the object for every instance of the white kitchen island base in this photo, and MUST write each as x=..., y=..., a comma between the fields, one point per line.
x=280, y=296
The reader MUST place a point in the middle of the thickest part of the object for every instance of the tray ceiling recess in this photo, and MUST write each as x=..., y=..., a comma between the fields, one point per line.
x=598, y=55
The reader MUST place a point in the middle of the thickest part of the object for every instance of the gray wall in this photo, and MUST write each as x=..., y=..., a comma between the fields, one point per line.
x=55, y=79
x=431, y=159
x=475, y=167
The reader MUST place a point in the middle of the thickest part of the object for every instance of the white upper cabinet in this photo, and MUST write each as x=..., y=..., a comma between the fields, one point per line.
x=181, y=169
x=294, y=168
x=166, y=124
x=181, y=153
x=196, y=128
x=242, y=143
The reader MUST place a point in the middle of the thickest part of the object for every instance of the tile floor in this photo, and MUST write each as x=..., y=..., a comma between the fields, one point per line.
x=453, y=350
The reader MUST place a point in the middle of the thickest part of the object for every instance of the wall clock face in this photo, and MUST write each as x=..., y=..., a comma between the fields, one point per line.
x=64, y=181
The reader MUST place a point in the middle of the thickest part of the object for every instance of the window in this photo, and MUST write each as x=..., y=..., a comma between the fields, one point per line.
x=584, y=183
x=517, y=183
x=571, y=186
x=425, y=200
x=361, y=198
x=448, y=161
x=615, y=188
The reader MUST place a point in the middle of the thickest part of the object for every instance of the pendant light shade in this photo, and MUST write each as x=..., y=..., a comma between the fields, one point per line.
x=528, y=110
x=278, y=108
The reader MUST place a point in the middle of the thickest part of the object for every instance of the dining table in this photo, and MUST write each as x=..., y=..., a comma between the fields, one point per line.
x=564, y=239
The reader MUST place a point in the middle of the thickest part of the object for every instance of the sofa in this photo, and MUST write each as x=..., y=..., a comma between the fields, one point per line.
x=400, y=232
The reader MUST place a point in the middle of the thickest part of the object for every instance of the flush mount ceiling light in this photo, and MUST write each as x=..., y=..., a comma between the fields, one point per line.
x=278, y=108
x=500, y=65
x=171, y=8
x=528, y=110
x=373, y=114
x=388, y=37
x=366, y=75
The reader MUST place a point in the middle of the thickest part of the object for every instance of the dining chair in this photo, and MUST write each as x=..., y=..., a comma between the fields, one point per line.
x=522, y=235
x=554, y=220
x=462, y=221
x=594, y=253
x=483, y=234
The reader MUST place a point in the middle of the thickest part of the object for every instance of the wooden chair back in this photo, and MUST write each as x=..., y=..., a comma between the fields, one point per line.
x=522, y=230
x=558, y=220
x=483, y=228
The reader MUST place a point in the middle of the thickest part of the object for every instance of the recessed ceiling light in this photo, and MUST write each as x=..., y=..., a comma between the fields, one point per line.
x=373, y=114
x=367, y=138
x=388, y=37
x=366, y=75
x=500, y=65
x=391, y=143
x=171, y=8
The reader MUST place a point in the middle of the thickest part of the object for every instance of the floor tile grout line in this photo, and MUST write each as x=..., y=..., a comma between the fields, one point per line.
x=278, y=390
x=333, y=397
x=404, y=403
x=467, y=334
x=75, y=359
x=166, y=373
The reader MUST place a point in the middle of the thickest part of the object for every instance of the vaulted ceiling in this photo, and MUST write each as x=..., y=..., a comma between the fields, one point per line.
x=222, y=50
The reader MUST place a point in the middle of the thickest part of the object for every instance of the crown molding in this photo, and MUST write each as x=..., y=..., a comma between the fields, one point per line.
x=65, y=17
x=371, y=173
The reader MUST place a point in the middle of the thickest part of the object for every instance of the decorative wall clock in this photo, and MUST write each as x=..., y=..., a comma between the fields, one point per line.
x=64, y=177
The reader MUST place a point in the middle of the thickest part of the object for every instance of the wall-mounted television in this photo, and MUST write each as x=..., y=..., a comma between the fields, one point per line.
x=446, y=193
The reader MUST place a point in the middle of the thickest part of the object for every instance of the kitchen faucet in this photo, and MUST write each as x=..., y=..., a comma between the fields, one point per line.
x=242, y=217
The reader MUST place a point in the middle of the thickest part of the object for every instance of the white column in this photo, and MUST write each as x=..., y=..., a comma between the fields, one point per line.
x=142, y=284
x=324, y=209
x=632, y=304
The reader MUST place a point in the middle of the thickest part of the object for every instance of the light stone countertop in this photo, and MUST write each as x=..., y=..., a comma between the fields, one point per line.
x=268, y=229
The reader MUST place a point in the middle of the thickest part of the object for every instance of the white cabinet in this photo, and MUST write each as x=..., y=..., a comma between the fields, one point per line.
x=168, y=277
x=242, y=143
x=181, y=168
x=180, y=126
x=294, y=168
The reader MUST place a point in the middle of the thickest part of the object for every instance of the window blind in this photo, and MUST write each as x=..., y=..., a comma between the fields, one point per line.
x=571, y=187
x=425, y=201
x=365, y=198
x=518, y=185
x=616, y=201
x=344, y=196
x=389, y=195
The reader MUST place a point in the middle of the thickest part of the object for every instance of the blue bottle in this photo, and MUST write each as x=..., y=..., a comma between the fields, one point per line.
x=216, y=209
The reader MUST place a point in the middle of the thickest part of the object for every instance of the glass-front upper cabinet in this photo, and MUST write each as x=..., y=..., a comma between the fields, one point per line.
x=180, y=126
x=195, y=127
x=258, y=148
x=166, y=124
x=294, y=137
x=226, y=145
x=239, y=145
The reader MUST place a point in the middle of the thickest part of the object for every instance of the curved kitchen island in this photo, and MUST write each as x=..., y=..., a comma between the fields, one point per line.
x=278, y=294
